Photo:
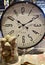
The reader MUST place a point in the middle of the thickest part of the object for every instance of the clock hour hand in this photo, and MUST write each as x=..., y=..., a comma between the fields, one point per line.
x=18, y=21
x=13, y=19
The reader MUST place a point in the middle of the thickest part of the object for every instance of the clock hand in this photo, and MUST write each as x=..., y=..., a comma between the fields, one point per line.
x=29, y=21
x=32, y=20
x=24, y=24
x=18, y=21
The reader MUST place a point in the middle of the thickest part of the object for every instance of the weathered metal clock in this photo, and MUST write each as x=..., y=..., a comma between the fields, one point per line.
x=24, y=20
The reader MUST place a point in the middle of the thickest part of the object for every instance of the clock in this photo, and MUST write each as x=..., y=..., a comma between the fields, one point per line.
x=25, y=21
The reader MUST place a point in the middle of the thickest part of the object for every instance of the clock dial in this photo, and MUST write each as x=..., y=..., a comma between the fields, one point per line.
x=25, y=21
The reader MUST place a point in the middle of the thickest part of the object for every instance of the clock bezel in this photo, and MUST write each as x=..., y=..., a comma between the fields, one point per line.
x=10, y=7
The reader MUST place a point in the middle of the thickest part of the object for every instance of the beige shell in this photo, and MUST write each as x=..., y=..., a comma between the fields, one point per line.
x=7, y=44
x=7, y=37
x=3, y=39
x=11, y=38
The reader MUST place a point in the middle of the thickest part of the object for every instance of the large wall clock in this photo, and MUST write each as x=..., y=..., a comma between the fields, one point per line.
x=25, y=21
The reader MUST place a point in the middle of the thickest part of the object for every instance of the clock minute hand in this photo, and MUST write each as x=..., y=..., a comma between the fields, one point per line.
x=28, y=22
x=36, y=16
x=32, y=19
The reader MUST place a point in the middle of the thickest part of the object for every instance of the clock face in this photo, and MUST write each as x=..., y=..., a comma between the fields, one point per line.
x=25, y=21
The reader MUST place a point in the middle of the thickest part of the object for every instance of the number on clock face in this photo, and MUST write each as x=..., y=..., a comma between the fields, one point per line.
x=23, y=39
x=25, y=22
x=22, y=10
x=15, y=12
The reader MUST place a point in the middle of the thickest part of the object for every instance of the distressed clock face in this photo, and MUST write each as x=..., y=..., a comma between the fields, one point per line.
x=26, y=22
